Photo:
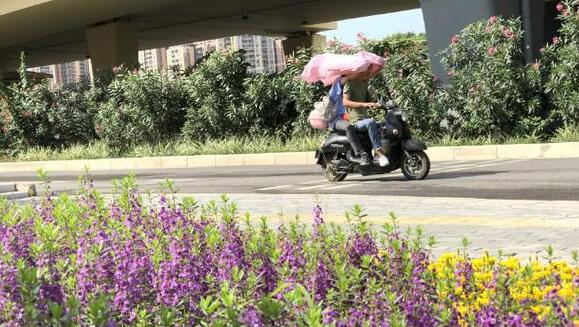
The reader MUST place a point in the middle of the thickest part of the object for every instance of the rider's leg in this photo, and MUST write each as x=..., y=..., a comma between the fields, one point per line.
x=342, y=125
x=369, y=125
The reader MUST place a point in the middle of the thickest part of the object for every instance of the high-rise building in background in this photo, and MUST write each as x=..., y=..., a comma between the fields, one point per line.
x=153, y=59
x=68, y=73
x=263, y=54
x=260, y=52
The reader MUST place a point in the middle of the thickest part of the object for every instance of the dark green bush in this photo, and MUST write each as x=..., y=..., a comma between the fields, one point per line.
x=268, y=107
x=491, y=91
x=560, y=64
x=34, y=114
x=407, y=79
x=215, y=90
x=142, y=107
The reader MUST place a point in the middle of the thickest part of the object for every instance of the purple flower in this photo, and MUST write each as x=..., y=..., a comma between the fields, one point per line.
x=360, y=246
x=322, y=281
x=251, y=317
x=232, y=252
x=133, y=279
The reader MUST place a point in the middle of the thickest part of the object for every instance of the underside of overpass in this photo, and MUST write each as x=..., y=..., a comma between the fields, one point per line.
x=111, y=31
x=53, y=31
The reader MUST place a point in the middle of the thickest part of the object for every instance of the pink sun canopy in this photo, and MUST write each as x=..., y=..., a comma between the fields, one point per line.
x=328, y=66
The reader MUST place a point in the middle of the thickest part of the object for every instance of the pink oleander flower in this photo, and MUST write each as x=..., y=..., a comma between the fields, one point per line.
x=361, y=37
x=560, y=6
x=508, y=33
x=492, y=20
x=492, y=51
x=454, y=39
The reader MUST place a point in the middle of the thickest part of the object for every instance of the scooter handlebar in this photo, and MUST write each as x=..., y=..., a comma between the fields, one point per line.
x=388, y=105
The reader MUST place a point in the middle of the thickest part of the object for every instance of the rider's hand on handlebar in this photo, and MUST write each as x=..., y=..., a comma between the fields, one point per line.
x=372, y=105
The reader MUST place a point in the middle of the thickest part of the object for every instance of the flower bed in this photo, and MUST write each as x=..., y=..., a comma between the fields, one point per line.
x=78, y=261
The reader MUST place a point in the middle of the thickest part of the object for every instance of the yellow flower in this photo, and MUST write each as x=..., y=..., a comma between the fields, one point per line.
x=567, y=292
x=520, y=294
x=486, y=261
x=512, y=264
x=541, y=311
x=462, y=309
x=481, y=277
x=538, y=294
x=482, y=300
x=566, y=277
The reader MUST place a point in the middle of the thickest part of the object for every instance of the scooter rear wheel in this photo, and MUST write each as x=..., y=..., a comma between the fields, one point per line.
x=332, y=175
x=417, y=166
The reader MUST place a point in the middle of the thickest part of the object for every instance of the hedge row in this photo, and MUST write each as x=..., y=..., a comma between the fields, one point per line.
x=491, y=92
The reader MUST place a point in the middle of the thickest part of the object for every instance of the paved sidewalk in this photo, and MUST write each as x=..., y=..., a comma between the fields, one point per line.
x=520, y=227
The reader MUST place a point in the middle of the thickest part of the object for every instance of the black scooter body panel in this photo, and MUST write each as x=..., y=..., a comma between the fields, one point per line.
x=413, y=145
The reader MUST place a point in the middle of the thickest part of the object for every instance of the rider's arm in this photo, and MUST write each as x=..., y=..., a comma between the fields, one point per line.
x=353, y=104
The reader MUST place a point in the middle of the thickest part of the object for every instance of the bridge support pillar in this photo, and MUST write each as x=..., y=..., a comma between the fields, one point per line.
x=315, y=41
x=445, y=18
x=112, y=44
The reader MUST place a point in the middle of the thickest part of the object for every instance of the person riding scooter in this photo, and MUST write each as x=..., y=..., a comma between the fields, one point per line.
x=357, y=102
x=337, y=70
x=340, y=123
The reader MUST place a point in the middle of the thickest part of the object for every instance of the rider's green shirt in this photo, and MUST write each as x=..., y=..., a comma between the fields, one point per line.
x=358, y=92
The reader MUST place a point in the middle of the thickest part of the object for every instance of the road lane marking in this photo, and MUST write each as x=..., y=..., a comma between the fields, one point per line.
x=311, y=187
x=464, y=164
x=314, y=182
x=479, y=166
x=274, y=188
x=340, y=186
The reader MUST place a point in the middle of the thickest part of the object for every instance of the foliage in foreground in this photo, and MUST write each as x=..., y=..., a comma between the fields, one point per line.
x=72, y=261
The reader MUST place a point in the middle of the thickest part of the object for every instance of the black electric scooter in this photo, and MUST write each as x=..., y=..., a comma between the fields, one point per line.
x=403, y=151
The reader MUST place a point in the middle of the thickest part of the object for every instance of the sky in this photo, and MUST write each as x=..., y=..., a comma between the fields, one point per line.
x=379, y=26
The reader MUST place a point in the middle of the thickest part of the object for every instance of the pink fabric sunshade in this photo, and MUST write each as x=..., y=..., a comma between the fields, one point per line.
x=327, y=67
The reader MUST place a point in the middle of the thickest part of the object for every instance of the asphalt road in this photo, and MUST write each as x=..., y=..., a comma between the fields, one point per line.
x=536, y=179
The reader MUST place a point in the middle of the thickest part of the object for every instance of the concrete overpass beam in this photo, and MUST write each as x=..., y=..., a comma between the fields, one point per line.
x=315, y=41
x=112, y=44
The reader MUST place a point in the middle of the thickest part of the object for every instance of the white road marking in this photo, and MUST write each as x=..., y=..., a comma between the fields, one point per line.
x=481, y=166
x=314, y=182
x=447, y=168
x=311, y=187
x=274, y=188
x=340, y=186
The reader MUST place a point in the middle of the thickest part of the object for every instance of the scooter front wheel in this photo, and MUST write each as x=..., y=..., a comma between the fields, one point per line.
x=416, y=166
x=332, y=175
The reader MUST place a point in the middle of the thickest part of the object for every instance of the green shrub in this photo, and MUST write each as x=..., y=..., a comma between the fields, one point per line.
x=215, y=90
x=406, y=78
x=267, y=105
x=560, y=64
x=142, y=107
x=33, y=114
x=491, y=91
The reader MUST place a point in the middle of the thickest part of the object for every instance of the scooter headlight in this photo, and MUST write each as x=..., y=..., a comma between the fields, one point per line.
x=404, y=116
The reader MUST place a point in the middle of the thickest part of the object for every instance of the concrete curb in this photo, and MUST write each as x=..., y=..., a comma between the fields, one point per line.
x=451, y=153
